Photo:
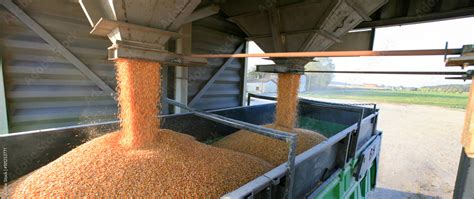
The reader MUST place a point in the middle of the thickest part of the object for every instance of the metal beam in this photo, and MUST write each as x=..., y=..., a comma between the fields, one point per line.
x=92, y=10
x=202, y=13
x=214, y=77
x=459, y=13
x=3, y=102
x=244, y=76
x=184, y=14
x=56, y=45
x=274, y=19
x=361, y=53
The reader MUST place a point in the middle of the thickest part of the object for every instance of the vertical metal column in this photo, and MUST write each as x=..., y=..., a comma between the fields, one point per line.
x=464, y=187
x=183, y=46
x=3, y=101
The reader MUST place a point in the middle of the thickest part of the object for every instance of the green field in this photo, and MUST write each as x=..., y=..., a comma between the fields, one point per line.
x=451, y=100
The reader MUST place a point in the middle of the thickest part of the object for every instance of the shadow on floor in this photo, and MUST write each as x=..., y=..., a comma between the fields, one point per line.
x=389, y=193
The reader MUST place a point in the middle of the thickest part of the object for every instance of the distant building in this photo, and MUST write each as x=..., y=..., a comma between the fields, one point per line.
x=269, y=85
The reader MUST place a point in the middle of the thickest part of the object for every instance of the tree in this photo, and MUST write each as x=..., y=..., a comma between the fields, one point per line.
x=316, y=81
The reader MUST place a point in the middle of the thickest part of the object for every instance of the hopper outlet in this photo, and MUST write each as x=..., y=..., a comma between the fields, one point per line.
x=140, y=29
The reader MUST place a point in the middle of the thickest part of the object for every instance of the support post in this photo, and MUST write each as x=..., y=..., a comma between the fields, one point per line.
x=467, y=139
x=183, y=46
x=244, y=76
x=3, y=101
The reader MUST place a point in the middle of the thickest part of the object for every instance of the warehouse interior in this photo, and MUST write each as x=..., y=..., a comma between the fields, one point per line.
x=57, y=56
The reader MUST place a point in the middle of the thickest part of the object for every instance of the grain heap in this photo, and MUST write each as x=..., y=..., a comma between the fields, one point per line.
x=141, y=160
x=269, y=149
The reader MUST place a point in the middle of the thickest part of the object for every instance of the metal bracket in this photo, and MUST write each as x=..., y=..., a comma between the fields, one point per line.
x=285, y=65
x=466, y=59
x=366, y=158
x=142, y=42
x=137, y=50
x=468, y=76
x=275, y=68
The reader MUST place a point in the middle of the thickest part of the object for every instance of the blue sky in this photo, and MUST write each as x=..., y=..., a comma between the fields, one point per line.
x=431, y=35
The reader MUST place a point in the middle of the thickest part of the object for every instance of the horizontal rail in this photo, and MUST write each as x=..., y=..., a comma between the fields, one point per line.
x=338, y=53
x=235, y=123
x=348, y=107
x=394, y=72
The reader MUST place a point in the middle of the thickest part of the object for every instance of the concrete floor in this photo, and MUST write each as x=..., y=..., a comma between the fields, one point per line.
x=420, y=151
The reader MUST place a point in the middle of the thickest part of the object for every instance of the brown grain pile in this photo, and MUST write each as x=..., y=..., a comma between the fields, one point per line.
x=141, y=160
x=286, y=108
x=176, y=167
x=269, y=149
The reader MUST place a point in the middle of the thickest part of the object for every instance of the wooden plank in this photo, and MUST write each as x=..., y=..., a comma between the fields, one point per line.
x=467, y=139
x=214, y=77
x=3, y=102
x=59, y=48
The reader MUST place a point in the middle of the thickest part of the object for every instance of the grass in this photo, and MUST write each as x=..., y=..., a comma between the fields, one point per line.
x=450, y=100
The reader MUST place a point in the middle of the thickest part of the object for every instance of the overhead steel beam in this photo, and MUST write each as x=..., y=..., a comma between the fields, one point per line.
x=56, y=45
x=459, y=13
x=94, y=9
x=338, y=53
x=278, y=40
x=3, y=101
x=214, y=77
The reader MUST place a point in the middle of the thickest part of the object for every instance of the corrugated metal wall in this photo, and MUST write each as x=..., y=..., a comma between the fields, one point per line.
x=44, y=90
x=216, y=35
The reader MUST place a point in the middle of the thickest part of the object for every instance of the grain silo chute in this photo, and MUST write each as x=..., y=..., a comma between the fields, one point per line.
x=141, y=29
